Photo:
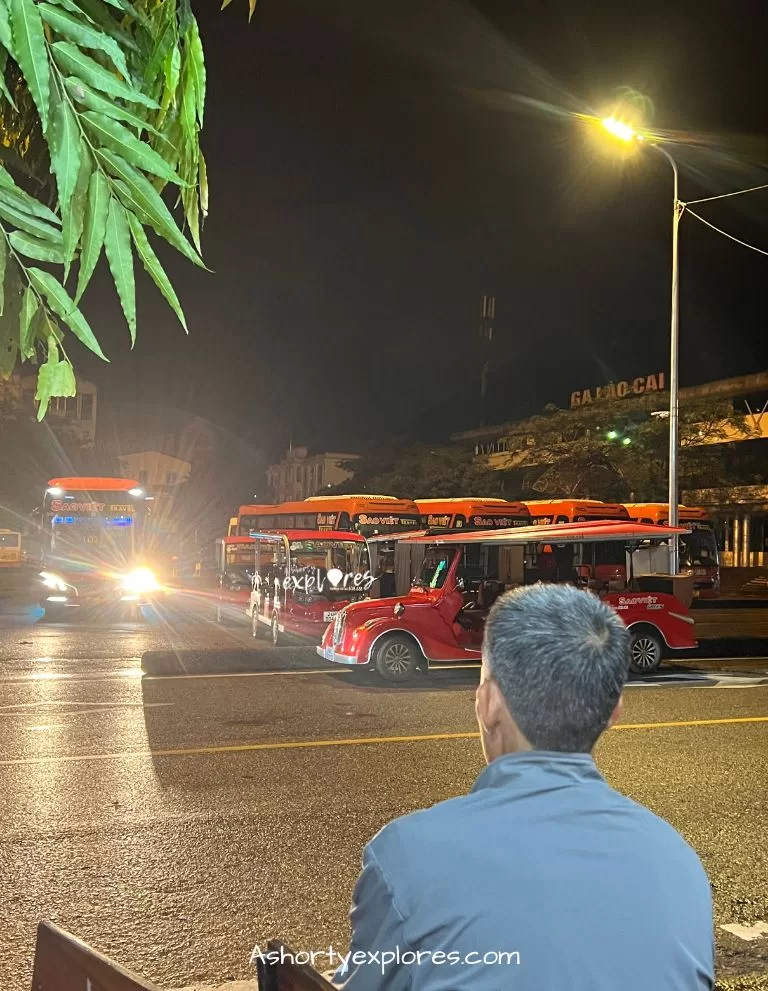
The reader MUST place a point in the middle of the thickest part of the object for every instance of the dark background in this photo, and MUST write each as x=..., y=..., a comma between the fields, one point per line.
x=372, y=175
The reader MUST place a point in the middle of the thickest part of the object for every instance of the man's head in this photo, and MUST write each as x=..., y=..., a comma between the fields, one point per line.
x=555, y=660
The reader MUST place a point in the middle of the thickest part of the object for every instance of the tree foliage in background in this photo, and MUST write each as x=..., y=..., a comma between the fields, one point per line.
x=101, y=107
x=422, y=471
x=618, y=451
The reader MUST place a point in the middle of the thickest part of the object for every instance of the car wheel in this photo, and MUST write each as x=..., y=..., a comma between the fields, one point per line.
x=646, y=649
x=275, y=631
x=395, y=658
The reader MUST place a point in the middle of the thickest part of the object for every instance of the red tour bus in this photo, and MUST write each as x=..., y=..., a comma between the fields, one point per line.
x=364, y=514
x=472, y=514
x=302, y=578
x=442, y=618
x=698, y=549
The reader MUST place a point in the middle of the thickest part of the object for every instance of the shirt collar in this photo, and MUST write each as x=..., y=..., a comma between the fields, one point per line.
x=529, y=764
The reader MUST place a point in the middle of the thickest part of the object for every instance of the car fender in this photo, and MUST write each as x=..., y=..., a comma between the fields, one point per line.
x=646, y=622
x=381, y=629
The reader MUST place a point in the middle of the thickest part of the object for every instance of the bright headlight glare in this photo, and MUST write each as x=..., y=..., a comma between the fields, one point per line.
x=53, y=581
x=139, y=581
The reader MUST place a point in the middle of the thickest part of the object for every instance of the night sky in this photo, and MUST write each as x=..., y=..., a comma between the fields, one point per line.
x=373, y=173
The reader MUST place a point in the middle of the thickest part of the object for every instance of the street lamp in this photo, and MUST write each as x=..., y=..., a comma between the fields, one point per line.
x=625, y=132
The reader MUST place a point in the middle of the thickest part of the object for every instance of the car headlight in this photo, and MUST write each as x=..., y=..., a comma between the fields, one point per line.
x=139, y=581
x=53, y=581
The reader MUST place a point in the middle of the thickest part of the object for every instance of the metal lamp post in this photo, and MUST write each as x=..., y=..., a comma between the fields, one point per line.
x=625, y=132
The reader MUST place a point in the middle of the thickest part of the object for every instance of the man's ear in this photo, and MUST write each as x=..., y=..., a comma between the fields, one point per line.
x=616, y=714
x=489, y=705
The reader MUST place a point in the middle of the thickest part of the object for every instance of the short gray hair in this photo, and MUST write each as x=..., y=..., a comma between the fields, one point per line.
x=561, y=658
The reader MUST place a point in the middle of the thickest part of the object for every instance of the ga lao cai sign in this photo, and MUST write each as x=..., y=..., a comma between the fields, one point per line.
x=619, y=390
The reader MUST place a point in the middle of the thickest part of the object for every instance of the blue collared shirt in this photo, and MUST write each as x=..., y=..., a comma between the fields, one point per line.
x=542, y=878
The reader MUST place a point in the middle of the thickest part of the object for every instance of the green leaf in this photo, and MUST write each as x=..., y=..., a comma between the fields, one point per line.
x=151, y=263
x=112, y=134
x=23, y=201
x=139, y=196
x=188, y=114
x=29, y=308
x=165, y=39
x=117, y=242
x=73, y=8
x=203, y=181
x=64, y=144
x=74, y=215
x=46, y=379
x=30, y=52
x=33, y=247
x=89, y=98
x=99, y=13
x=192, y=213
x=65, y=307
x=84, y=34
x=5, y=27
x=3, y=264
x=172, y=72
x=11, y=212
x=71, y=60
x=94, y=228
x=3, y=85
x=197, y=67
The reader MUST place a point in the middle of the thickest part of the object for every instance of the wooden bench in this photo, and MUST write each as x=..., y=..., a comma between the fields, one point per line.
x=65, y=963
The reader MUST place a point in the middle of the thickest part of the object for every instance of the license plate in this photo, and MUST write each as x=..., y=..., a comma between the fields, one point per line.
x=328, y=616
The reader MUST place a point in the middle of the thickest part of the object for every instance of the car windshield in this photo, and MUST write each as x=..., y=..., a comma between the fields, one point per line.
x=435, y=568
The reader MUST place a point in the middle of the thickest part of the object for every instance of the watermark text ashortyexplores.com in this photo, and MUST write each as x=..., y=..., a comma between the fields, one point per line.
x=331, y=959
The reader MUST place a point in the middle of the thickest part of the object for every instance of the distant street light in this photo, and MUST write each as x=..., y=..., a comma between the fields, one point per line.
x=625, y=132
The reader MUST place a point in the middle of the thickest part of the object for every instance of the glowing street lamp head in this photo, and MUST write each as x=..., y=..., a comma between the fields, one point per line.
x=620, y=129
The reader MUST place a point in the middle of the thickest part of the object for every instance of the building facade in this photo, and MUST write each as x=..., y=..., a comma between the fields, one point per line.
x=300, y=474
x=740, y=510
x=163, y=475
x=71, y=418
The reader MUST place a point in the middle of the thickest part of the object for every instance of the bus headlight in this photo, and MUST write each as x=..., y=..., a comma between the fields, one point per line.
x=139, y=582
x=53, y=581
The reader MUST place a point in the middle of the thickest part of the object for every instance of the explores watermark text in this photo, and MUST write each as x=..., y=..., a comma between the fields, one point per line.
x=331, y=959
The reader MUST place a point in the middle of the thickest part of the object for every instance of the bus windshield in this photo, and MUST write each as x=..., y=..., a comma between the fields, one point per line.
x=84, y=529
x=9, y=540
x=698, y=549
x=347, y=556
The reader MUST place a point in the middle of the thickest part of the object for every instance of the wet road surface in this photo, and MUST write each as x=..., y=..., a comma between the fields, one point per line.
x=174, y=822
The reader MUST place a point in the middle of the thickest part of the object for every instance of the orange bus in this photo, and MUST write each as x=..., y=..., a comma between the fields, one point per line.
x=698, y=549
x=472, y=514
x=547, y=511
x=364, y=514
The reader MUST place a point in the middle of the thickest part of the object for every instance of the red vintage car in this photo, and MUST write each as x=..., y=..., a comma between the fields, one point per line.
x=442, y=618
x=302, y=578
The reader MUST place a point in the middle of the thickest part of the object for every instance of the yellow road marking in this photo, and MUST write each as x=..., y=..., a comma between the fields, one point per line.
x=346, y=742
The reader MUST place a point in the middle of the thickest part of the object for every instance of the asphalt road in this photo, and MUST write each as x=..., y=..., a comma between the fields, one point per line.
x=174, y=822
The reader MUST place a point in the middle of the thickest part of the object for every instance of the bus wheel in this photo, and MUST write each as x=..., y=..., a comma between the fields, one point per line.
x=395, y=658
x=275, y=631
x=646, y=648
